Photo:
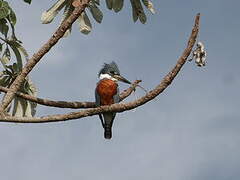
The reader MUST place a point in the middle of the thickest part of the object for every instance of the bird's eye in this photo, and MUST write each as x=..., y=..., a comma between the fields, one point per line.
x=112, y=72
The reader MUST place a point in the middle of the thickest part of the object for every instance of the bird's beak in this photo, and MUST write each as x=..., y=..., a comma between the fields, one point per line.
x=120, y=78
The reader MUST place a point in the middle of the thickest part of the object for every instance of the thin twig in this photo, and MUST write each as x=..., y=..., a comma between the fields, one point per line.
x=118, y=107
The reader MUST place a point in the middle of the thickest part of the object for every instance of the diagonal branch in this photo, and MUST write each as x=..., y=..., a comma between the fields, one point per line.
x=42, y=51
x=119, y=107
x=66, y=104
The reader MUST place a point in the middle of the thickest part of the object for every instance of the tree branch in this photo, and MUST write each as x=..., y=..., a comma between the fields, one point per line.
x=66, y=104
x=119, y=107
x=42, y=51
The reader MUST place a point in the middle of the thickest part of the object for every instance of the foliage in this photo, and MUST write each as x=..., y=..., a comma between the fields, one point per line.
x=9, y=45
x=84, y=22
x=21, y=107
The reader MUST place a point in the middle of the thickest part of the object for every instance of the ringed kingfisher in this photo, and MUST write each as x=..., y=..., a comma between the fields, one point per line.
x=107, y=93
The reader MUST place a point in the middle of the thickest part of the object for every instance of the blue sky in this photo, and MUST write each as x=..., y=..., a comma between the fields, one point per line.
x=190, y=132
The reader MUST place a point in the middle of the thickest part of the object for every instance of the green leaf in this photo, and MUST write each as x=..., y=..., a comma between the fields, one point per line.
x=19, y=51
x=138, y=11
x=4, y=9
x=31, y=106
x=109, y=4
x=7, y=52
x=18, y=55
x=9, y=71
x=24, y=104
x=18, y=109
x=25, y=87
x=3, y=81
x=97, y=2
x=27, y=1
x=66, y=13
x=28, y=110
x=1, y=45
x=9, y=107
x=134, y=11
x=15, y=104
x=15, y=67
x=5, y=60
x=96, y=12
x=117, y=5
x=23, y=51
x=85, y=25
x=12, y=18
x=4, y=27
x=18, y=44
x=22, y=107
x=6, y=57
x=67, y=10
x=49, y=15
x=149, y=6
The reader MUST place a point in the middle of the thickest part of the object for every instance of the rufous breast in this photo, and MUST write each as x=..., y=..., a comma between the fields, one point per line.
x=106, y=89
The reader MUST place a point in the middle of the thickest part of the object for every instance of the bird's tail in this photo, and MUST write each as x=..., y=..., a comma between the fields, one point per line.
x=108, y=122
x=107, y=132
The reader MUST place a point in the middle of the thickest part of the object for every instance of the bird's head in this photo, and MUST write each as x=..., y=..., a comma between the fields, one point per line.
x=111, y=71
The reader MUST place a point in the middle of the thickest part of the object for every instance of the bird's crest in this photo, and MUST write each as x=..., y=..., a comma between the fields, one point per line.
x=108, y=68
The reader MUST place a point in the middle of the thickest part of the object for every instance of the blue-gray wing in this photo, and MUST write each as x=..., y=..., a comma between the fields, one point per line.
x=98, y=102
x=97, y=98
x=116, y=99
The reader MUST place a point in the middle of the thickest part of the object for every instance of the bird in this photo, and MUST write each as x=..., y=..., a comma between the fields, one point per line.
x=107, y=93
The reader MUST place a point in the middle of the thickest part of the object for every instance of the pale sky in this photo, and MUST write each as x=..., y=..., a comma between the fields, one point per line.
x=190, y=132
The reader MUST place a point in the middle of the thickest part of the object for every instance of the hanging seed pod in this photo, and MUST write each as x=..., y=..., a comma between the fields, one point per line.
x=50, y=14
x=117, y=5
x=109, y=4
x=199, y=54
x=85, y=25
x=149, y=6
x=95, y=11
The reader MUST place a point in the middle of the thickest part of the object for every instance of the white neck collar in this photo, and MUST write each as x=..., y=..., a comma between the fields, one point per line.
x=107, y=76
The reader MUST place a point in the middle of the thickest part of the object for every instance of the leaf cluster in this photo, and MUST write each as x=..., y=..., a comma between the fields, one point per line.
x=20, y=107
x=93, y=8
x=10, y=47
x=9, y=40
